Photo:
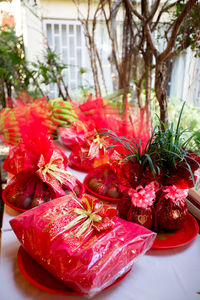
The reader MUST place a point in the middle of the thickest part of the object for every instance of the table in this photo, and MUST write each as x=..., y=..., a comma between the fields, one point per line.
x=159, y=275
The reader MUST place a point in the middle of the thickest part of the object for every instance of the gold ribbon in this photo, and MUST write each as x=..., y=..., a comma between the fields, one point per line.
x=99, y=140
x=97, y=144
x=87, y=216
x=52, y=169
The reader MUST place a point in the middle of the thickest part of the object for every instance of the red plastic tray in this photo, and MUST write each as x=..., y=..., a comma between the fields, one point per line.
x=43, y=280
x=85, y=182
x=12, y=206
x=168, y=240
x=24, y=209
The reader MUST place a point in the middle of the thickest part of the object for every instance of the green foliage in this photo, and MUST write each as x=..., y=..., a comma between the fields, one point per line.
x=17, y=75
x=189, y=120
x=13, y=65
x=166, y=150
x=49, y=70
x=189, y=32
x=171, y=144
x=134, y=152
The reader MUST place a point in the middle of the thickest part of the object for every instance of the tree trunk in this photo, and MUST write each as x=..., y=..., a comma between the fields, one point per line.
x=160, y=89
x=148, y=76
x=9, y=89
x=113, y=56
x=94, y=66
x=138, y=92
x=2, y=93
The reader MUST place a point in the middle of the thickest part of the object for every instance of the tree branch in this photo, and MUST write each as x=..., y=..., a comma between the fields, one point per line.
x=175, y=29
x=146, y=27
x=158, y=17
x=134, y=11
x=150, y=39
x=154, y=10
x=113, y=13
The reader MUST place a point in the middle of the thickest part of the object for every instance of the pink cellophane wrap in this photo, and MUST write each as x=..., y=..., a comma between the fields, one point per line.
x=143, y=196
x=176, y=194
x=93, y=261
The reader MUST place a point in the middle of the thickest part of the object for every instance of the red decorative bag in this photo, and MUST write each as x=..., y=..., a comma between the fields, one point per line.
x=12, y=119
x=137, y=205
x=171, y=208
x=82, y=242
x=75, y=134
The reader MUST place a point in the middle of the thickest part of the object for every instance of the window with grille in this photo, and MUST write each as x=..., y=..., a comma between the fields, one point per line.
x=67, y=40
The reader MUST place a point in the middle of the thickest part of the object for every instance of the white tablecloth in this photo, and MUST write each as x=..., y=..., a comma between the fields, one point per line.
x=159, y=275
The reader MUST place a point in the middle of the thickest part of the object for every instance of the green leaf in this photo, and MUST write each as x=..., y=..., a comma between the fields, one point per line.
x=150, y=163
x=160, y=236
x=178, y=124
x=170, y=233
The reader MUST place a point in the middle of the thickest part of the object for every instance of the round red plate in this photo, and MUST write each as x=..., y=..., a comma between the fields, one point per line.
x=19, y=209
x=85, y=182
x=168, y=240
x=43, y=280
x=12, y=206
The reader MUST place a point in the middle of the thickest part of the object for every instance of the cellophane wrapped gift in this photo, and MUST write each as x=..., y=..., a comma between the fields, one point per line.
x=38, y=168
x=75, y=135
x=90, y=154
x=81, y=242
x=19, y=112
x=97, y=113
x=104, y=182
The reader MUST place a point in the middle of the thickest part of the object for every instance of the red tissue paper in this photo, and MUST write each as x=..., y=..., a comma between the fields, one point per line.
x=81, y=242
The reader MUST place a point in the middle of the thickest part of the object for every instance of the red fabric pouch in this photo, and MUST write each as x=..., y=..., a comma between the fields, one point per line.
x=171, y=208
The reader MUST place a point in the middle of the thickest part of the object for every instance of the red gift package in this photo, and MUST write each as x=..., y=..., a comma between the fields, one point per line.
x=137, y=205
x=90, y=154
x=12, y=119
x=39, y=169
x=171, y=208
x=75, y=134
x=81, y=242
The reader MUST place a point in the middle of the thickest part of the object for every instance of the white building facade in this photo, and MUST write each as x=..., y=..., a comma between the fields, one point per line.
x=56, y=22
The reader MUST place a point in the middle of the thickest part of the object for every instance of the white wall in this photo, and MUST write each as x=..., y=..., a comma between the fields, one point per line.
x=32, y=30
x=185, y=80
